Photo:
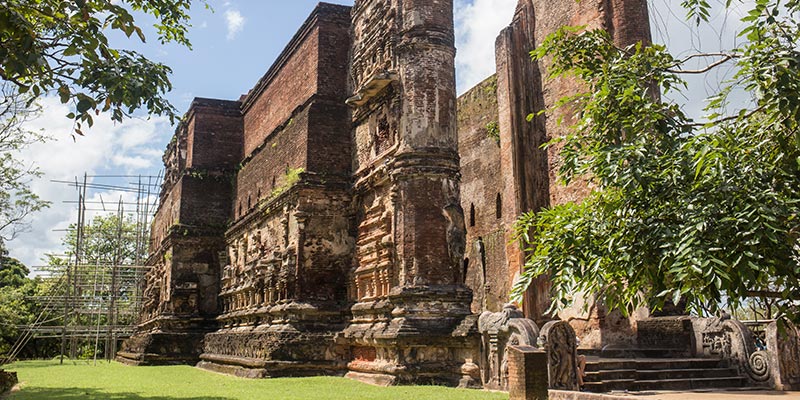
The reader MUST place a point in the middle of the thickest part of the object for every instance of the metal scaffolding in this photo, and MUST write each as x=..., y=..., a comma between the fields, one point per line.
x=93, y=297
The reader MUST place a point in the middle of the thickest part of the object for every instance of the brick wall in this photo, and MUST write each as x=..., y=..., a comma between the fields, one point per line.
x=486, y=267
x=285, y=149
x=296, y=109
x=215, y=134
x=297, y=76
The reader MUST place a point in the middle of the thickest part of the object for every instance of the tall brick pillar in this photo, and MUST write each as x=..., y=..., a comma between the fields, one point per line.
x=411, y=318
x=524, y=164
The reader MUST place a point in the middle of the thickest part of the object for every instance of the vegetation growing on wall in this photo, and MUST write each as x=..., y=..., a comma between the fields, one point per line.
x=493, y=131
x=291, y=177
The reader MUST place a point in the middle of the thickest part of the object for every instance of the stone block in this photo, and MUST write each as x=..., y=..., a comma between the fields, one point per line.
x=527, y=373
x=7, y=381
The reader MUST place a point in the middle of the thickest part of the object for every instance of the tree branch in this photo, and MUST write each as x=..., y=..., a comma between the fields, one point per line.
x=725, y=58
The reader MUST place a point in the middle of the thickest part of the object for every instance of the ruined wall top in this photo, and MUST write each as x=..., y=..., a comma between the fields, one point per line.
x=325, y=11
x=299, y=75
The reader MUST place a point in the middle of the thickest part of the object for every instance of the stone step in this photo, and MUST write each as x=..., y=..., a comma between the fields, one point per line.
x=649, y=375
x=639, y=364
x=664, y=384
x=652, y=352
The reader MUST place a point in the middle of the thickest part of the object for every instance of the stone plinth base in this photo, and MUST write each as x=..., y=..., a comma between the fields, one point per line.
x=161, y=348
x=7, y=381
x=416, y=336
x=166, y=340
x=373, y=379
x=272, y=351
x=258, y=369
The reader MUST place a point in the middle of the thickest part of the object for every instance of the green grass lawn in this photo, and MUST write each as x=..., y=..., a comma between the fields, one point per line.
x=82, y=380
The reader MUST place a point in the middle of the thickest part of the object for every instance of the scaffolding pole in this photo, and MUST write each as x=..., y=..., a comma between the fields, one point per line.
x=97, y=298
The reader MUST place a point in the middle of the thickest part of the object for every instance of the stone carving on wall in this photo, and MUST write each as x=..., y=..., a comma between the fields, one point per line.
x=731, y=340
x=456, y=236
x=784, y=350
x=376, y=20
x=498, y=331
x=261, y=266
x=174, y=159
x=558, y=340
x=155, y=292
x=373, y=277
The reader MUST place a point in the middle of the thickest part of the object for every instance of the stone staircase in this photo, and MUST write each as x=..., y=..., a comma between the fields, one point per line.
x=655, y=369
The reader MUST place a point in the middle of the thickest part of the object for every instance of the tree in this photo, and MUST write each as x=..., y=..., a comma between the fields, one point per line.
x=13, y=273
x=16, y=306
x=107, y=240
x=61, y=46
x=704, y=212
x=17, y=201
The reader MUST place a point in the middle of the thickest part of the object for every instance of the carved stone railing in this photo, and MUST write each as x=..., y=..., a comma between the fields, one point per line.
x=508, y=328
x=731, y=340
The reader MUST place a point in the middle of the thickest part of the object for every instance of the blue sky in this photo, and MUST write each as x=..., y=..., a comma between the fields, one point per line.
x=233, y=46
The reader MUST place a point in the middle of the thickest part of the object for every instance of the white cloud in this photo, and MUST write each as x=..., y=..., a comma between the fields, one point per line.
x=235, y=23
x=132, y=147
x=478, y=22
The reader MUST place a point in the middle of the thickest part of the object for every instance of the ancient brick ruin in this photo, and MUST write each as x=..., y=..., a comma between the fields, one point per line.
x=350, y=216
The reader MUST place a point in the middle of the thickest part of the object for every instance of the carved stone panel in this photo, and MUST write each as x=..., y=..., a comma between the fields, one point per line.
x=261, y=264
x=374, y=275
x=374, y=35
x=731, y=340
x=558, y=339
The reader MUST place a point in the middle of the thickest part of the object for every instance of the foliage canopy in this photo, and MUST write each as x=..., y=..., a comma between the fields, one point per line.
x=63, y=46
x=700, y=212
x=17, y=200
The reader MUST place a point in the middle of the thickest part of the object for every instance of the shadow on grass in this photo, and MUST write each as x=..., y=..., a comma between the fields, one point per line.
x=83, y=394
x=23, y=365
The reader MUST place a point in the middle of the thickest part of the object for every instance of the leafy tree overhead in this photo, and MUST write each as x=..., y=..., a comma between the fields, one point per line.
x=704, y=212
x=62, y=46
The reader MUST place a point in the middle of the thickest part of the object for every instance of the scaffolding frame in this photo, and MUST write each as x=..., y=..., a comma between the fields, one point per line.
x=97, y=300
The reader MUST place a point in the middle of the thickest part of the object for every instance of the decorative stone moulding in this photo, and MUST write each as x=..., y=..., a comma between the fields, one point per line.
x=372, y=87
x=731, y=340
x=500, y=331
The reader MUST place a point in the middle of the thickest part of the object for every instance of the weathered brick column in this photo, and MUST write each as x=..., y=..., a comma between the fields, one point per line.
x=409, y=318
x=526, y=180
x=181, y=289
